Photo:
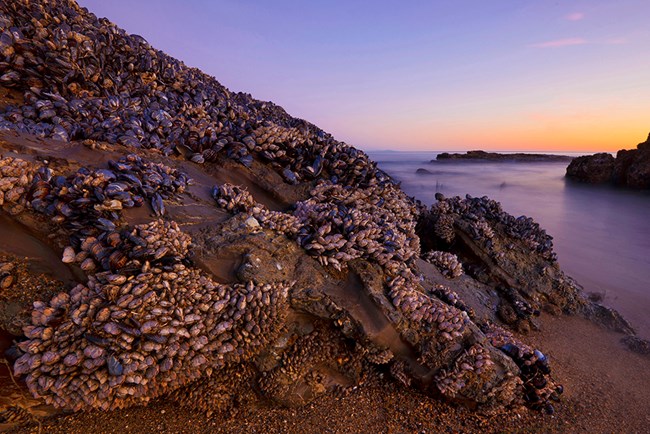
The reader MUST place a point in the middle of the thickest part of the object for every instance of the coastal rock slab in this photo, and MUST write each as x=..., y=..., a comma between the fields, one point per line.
x=630, y=168
x=594, y=169
x=504, y=157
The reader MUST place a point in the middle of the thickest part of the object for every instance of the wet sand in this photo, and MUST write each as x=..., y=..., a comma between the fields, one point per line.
x=634, y=307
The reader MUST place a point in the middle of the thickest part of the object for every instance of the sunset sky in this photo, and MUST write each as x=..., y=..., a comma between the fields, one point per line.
x=423, y=75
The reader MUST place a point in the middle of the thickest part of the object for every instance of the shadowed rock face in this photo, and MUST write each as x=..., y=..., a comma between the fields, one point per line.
x=595, y=169
x=630, y=168
x=215, y=250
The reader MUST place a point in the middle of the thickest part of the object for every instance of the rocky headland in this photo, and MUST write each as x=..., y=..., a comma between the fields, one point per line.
x=504, y=157
x=177, y=257
x=630, y=168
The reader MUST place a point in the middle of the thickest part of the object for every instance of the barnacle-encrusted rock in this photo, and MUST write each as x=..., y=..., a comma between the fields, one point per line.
x=125, y=338
x=512, y=254
x=291, y=295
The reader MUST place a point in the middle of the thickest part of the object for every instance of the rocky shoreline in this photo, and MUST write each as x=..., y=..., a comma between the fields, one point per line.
x=175, y=245
x=502, y=157
x=630, y=168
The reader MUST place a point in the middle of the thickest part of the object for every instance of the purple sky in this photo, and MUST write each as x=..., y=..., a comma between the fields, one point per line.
x=501, y=74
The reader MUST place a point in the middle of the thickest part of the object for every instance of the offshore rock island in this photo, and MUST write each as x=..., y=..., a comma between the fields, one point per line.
x=630, y=168
x=167, y=240
x=503, y=157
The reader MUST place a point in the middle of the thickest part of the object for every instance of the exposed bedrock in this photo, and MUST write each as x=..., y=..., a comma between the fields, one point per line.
x=595, y=169
x=630, y=168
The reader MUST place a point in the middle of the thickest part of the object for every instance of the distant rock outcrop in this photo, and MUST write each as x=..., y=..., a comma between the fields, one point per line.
x=594, y=169
x=496, y=156
x=630, y=168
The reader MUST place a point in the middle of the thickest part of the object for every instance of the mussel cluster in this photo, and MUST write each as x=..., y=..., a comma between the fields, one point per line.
x=448, y=263
x=341, y=223
x=444, y=227
x=130, y=249
x=90, y=201
x=146, y=322
x=539, y=388
x=483, y=214
x=16, y=179
x=444, y=321
x=84, y=78
x=473, y=362
x=338, y=224
x=451, y=298
x=236, y=199
x=128, y=336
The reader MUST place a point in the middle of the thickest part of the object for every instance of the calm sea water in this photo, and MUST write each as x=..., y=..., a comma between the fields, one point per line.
x=601, y=234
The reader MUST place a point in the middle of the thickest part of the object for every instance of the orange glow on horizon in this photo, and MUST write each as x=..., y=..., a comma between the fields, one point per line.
x=563, y=139
x=557, y=135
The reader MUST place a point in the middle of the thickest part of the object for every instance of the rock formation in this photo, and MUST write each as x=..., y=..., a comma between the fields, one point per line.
x=630, y=168
x=497, y=156
x=194, y=244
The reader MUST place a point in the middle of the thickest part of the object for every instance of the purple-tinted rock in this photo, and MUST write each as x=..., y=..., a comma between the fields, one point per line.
x=630, y=168
x=595, y=169
x=624, y=159
x=638, y=174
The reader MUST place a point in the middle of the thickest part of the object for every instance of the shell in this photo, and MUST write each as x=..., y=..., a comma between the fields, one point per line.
x=68, y=255
x=157, y=205
x=115, y=368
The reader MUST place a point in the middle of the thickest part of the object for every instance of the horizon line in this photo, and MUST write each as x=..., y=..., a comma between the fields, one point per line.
x=526, y=151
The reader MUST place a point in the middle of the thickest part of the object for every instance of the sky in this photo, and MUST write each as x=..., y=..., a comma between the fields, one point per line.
x=423, y=75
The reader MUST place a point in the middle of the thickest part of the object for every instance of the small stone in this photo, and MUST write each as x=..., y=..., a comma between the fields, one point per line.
x=252, y=223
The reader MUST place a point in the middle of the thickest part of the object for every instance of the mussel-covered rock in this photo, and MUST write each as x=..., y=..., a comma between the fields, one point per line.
x=153, y=314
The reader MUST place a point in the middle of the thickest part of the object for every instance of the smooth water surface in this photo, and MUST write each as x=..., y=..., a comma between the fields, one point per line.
x=601, y=234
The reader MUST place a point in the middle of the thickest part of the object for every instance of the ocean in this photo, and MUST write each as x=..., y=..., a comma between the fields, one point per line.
x=601, y=234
